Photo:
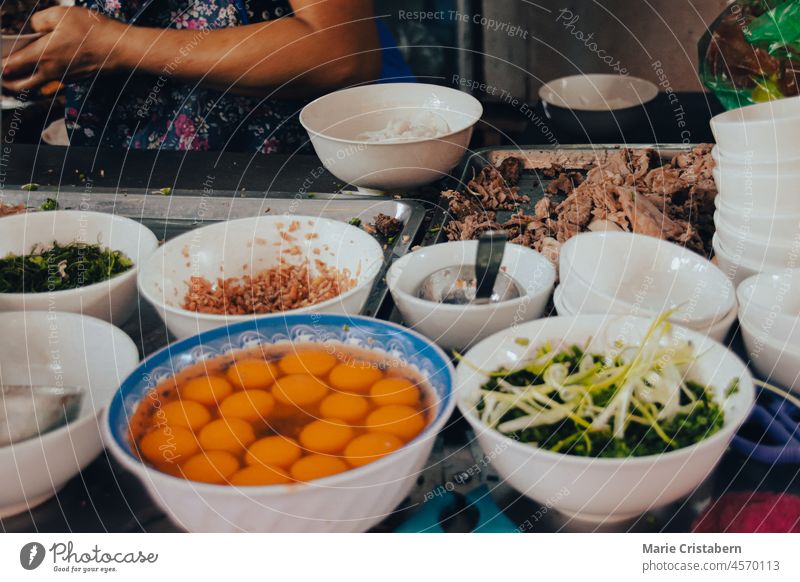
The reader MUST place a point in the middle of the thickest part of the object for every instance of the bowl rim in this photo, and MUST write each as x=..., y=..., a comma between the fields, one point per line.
x=388, y=86
x=137, y=466
x=734, y=117
x=458, y=309
x=782, y=346
x=652, y=91
x=725, y=432
x=722, y=226
x=569, y=244
x=116, y=280
x=758, y=165
x=749, y=284
x=369, y=280
x=721, y=205
x=44, y=440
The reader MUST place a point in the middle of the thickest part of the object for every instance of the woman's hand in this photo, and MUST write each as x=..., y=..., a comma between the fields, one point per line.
x=77, y=42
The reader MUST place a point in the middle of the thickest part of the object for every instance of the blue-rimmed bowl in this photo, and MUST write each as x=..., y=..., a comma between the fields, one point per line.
x=352, y=501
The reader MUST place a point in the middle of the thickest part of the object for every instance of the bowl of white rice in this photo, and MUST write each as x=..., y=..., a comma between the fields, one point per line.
x=391, y=137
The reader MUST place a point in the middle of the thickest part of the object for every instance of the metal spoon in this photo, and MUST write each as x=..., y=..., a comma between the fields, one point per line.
x=479, y=284
x=28, y=411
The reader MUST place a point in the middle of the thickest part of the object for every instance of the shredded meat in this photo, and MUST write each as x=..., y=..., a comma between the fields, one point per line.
x=388, y=226
x=511, y=170
x=269, y=291
x=625, y=190
x=9, y=209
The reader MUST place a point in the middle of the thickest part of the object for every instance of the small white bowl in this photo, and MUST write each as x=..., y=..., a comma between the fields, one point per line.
x=620, y=272
x=591, y=489
x=112, y=300
x=769, y=191
x=763, y=132
x=735, y=268
x=758, y=168
x=457, y=327
x=770, y=304
x=757, y=249
x=776, y=361
x=775, y=222
x=717, y=330
x=335, y=121
x=248, y=245
x=596, y=104
x=11, y=43
x=54, y=348
x=780, y=233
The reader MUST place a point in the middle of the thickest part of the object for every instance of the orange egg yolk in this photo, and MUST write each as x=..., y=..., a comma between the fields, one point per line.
x=210, y=467
x=299, y=390
x=168, y=444
x=403, y=422
x=278, y=451
x=249, y=405
x=316, y=467
x=326, y=436
x=344, y=406
x=253, y=374
x=394, y=391
x=186, y=413
x=354, y=376
x=314, y=362
x=370, y=447
x=227, y=434
x=260, y=475
x=208, y=390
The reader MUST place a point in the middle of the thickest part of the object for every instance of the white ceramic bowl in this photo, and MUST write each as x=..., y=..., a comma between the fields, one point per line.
x=625, y=273
x=735, y=268
x=335, y=121
x=113, y=300
x=777, y=223
x=763, y=132
x=54, y=348
x=776, y=361
x=781, y=233
x=248, y=245
x=777, y=191
x=602, y=490
x=351, y=501
x=770, y=304
x=717, y=330
x=758, y=249
x=597, y=104
x=459, y=326
x=756, y=168
x=11, y=43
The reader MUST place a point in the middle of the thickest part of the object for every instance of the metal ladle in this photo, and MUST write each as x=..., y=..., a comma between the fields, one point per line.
x=479, y=284
x=28, y=411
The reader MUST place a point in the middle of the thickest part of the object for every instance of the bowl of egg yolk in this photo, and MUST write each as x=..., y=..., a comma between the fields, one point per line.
x=286, y=423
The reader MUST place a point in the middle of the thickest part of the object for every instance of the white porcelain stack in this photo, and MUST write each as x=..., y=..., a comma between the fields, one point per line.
x=758, y=178
x=632, y=274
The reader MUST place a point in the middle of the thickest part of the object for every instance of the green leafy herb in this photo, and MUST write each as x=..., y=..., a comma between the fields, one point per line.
x=522, y=341
x=165, y=191
x=60, y=267
x=630, y=401
x=31, y=187
x=355, y=221
x=49, y=204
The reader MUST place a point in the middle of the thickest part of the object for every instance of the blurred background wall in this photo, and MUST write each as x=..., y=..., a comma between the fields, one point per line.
x=554, y=38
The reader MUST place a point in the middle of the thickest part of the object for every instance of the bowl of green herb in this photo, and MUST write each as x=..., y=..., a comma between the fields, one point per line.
x=72, y=261
x=603, y=417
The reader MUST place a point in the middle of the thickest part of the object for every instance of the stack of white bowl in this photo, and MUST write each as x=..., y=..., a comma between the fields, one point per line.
x=769, y=317
x=632, y=274
x=758, y=179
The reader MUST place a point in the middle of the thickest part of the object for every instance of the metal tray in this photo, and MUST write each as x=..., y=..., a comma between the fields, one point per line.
x=576, y=157
x=182, y=211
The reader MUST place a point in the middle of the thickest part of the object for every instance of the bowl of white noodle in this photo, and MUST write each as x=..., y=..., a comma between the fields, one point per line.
x=391, y=137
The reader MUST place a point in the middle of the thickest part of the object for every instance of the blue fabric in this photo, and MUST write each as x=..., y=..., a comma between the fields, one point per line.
x=393, y=66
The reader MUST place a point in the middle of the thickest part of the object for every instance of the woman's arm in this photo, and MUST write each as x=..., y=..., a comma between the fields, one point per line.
x=328, y=44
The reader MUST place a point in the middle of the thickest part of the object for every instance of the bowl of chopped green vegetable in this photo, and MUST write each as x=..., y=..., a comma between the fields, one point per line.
x=72, y=261
x=603, y=417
